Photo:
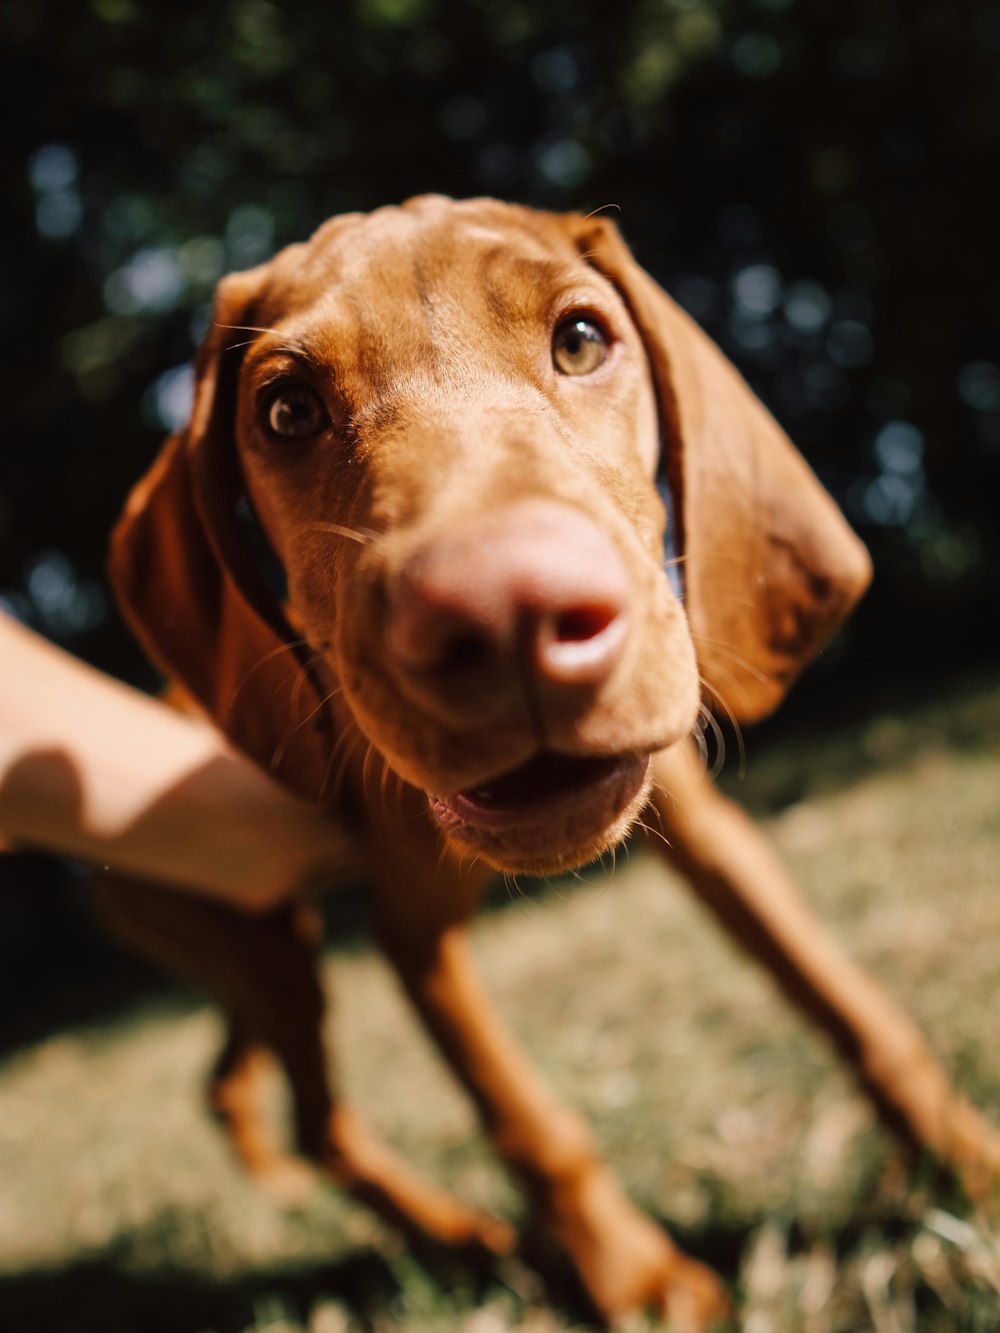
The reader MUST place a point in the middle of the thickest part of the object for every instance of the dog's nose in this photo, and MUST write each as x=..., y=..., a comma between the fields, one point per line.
x=532, y=600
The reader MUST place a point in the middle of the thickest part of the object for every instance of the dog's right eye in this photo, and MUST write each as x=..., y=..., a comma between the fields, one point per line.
x=296, y=412
x=579, y=346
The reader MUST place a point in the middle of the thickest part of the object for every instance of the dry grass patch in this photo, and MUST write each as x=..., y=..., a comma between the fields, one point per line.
x=724, y=1113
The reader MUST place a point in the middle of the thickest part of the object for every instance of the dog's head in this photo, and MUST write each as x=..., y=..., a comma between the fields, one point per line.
x=453, y=425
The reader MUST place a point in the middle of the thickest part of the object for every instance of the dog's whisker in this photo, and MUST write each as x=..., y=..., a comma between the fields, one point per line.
x=732, y=682
x=517, y=896
x=286, y=739
x=289, y=346
x=441, y=857
x=335, y=750
x=653, y=833
x=383, y=788
x=711, y=721
x=299, y=684
x=301, y=676
x=398, y=788
x=327, y=698
x=372, y=756
x=596, y=212
x=722, y=703
x=361, y=535
x=719, y=646
x=607, y=872
x=287, y=647
x=701, y=744
x=245, y=328
x=347, y=744
x=236, y=347
x=669, y=795
x=733, y=721
x=366, y=767
x=654, y=811
x=554, y=888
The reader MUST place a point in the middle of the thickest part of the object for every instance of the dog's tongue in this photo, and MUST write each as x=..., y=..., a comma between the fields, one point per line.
x=549, y=813
x=544, y=775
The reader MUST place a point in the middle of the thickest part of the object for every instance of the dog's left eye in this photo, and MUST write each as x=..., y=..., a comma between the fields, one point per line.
x=296, y=412
x=579, y=346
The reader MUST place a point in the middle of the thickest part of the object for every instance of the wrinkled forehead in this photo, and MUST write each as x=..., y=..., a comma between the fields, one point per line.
x=428, y=269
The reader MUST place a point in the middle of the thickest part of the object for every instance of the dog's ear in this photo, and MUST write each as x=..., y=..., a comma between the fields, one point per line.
x=770, y=566
x=189, y=584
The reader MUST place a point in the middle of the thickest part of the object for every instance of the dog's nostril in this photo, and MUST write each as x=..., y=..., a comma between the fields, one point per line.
x=580, y=646
x=463, y=652
x=582, y=623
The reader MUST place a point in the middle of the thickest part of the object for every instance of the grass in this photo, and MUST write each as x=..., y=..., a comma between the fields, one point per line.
x=724, y=1114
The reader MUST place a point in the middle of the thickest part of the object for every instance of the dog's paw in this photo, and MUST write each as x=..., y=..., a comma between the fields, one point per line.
x=946, y=1128
x=368, y=1169
x=692, y=1297
x=975, y=1160
x=287, y=1181
x=467, y=1230
x=625, y=1262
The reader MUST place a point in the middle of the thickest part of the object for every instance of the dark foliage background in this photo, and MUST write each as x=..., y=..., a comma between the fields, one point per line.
x=813, y=179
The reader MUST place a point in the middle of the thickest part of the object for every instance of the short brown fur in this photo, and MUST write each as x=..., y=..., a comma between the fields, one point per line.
x=427, y=330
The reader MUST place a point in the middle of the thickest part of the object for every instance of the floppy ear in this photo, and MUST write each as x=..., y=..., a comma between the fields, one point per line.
x=771, y=567
x=191, y=590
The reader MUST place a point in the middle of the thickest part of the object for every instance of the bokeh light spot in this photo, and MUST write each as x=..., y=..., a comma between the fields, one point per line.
x=850, y=344
x=807, y=306
x=150, y=281
x=757, y=289
x=979, y=386
x=168, y=401
x=899, y=448
x=757, y=55
x=54, y=166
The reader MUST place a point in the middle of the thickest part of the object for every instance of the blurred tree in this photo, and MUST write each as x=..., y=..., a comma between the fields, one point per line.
x=810, y=179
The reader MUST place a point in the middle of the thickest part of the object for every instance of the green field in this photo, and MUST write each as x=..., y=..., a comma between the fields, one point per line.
x=725, y=1115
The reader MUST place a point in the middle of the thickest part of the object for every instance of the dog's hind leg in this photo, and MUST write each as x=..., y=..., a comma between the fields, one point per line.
x=262, y=969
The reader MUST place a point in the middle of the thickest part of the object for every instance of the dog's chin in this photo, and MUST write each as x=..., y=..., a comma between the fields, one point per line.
x=552, y=813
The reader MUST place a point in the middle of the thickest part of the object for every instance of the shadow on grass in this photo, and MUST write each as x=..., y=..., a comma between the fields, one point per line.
x=372, y=1291
x=106, y=1295
x=100, y=1296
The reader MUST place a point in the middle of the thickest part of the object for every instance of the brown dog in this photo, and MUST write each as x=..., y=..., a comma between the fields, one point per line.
x=454, y=425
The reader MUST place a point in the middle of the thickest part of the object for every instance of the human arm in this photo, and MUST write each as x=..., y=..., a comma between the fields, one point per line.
x=94, y=769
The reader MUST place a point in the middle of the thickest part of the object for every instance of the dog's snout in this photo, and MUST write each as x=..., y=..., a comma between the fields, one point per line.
x=534, y=599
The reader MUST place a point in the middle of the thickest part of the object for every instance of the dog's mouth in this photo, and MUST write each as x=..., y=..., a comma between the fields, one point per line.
x=561, y=801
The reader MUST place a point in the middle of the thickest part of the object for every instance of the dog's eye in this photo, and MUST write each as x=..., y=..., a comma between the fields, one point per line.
x=296, y=412
x=579, y=346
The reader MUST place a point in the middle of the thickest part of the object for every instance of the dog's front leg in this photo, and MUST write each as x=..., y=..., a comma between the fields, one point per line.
x=736, y=874
x=623, y=1259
